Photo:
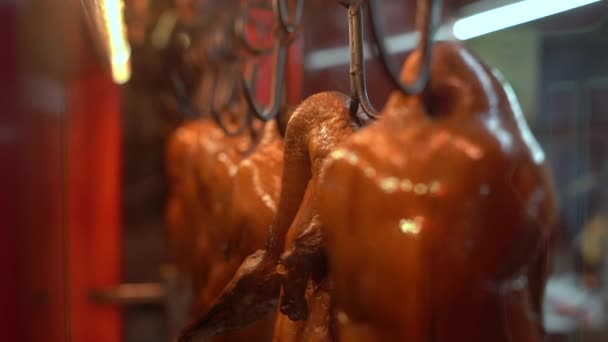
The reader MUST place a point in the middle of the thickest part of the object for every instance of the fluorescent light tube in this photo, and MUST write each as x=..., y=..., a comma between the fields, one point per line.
x=120, y=52
x=511, y=15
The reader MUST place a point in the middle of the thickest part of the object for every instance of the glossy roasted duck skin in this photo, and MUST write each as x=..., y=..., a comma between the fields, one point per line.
x=315, y=128
x=181, y=154
x=306, y=302
x=220, y=236
x=255, y=191
x=438, y=216
x=201, y=161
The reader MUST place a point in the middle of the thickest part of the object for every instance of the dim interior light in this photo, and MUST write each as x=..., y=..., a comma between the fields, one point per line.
x=511, y=15
x=120, y=52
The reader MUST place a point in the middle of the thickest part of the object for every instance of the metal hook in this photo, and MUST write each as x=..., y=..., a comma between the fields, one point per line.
x=216, y=114
x=189, y=109
x=183, y=101
x=216, y=57
x=358, y=85
x=240, y=27
x=431, y=10
x=290, y=27
x=278, y=77
x=270, y=112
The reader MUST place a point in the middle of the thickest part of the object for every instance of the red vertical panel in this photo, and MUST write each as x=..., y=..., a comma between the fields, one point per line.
x=265, y=64
x=44, y=243
x=10, y=285
x=266, y=68
x=94, y=204
x=59, y=196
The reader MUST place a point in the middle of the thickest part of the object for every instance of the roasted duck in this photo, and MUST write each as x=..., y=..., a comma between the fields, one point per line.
x=201, y=161
x=294, y=254
x=438, y=216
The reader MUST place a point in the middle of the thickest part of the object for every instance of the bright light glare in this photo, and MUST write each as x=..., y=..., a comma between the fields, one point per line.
x=120, y=52
x=511, y=15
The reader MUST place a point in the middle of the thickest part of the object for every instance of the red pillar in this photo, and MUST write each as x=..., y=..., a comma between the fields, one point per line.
x=60, y=222
x=94, y=220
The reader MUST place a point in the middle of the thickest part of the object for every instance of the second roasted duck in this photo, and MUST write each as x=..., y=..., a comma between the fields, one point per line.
x=294, y=254
x=223, y=199
x=201, y=161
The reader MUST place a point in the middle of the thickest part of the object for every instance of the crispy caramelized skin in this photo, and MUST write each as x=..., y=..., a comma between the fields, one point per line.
x=223, y=189
x=201, y=161
x=294, y=253
x=438, y=216
x=255, y=191
x=182, y=150
x=220, y=208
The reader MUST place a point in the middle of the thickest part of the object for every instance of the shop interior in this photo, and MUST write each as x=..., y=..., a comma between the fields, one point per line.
x=153, y=152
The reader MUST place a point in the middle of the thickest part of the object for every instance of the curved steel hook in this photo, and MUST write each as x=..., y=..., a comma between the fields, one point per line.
x=278, y=77
x=276, y=95
x=240, y=26
x=290, y=27
x=183, y=100
x=431, y=10
x=358, y=85
x=239, y=130
x=189, y=109
x=216, y=114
